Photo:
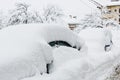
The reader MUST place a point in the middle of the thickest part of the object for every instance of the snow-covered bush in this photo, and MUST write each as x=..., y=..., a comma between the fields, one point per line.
x=115, y=75
x=92, y=20
x=95, y=20
x=24, y=49
x=24, y=14
x=114, y=71
x=19, y=15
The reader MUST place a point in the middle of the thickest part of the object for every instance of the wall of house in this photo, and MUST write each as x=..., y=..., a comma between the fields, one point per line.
x=72, y=26
x=113, y=13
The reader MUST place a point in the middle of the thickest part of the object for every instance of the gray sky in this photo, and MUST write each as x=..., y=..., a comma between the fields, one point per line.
x=74, y=7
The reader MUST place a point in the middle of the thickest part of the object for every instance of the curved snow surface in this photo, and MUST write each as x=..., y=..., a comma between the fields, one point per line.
x=24, y=49
x=63, y=55
x=95, y=65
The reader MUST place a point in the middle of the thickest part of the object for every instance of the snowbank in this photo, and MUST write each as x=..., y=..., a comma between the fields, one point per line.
x=64, y=54
x=73, y=69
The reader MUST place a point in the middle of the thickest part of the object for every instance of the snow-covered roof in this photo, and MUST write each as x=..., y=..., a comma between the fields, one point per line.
x=73, y=21
x=37, y=32
x=108, y=2
x=117, y=3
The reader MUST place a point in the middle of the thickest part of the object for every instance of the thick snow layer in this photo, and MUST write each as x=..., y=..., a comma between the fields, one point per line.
x=24, y=49
x=95, y=65
x=64, y=54
x=19, y=64
x=96, y=39
x=73, y=69
x=108, y=61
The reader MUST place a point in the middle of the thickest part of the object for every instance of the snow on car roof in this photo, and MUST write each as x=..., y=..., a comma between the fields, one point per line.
x=25, y=38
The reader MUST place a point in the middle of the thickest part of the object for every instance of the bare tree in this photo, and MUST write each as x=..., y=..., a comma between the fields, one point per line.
x=19, y=14
x=23, y=15
x=52, y=14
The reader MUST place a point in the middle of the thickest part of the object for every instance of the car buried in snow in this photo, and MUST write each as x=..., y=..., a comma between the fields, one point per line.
x=25, y=50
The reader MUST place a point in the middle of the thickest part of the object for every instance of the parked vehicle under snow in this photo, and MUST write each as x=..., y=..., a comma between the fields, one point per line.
x=99, y=39
x=24, y=49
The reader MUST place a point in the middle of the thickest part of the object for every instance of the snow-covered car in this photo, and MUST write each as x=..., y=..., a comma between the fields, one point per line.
x=99, y=43
x=99, y=39
x=25, y=49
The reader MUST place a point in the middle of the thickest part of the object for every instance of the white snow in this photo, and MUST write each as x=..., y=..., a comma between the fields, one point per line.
x=105, y=61
x=24, y=49
x=95, y=65
x=63, y=55
x=114, y=3
x=73, y=21
x=25, y=53
x=74, y=69
x=96, y=37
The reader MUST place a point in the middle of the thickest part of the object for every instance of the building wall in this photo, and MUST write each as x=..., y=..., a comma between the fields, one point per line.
x=72, y=26
x=113, y=13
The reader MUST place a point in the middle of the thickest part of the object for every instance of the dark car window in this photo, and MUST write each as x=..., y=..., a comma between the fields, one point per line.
x=59, y=43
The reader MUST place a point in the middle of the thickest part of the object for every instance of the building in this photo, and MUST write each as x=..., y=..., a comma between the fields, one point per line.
x=73, y=22
x=114, y=0
x=113, y=11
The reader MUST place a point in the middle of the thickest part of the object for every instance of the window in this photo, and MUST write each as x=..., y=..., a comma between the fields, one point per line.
x=59, y=43
x=109, y=11
x=119, y=10
x=119, y=19
x=115, y=10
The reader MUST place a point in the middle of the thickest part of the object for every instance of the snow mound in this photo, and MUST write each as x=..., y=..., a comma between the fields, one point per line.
x=73, y=69
x=64, y=54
